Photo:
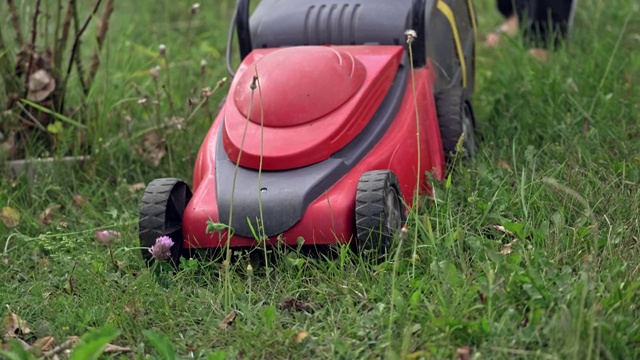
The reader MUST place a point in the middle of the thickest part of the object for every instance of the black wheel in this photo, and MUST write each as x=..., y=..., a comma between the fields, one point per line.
x=469, y=130
x=163, y=205
x=455, y=117
x=379, y=212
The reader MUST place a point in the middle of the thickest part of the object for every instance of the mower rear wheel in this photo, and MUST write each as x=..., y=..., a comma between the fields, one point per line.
x=469, y=129
x=455, y=117
x=163, y=205
x=379, y=212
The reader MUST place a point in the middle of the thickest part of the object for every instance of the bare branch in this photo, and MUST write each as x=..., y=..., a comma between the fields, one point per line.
x=103, y=28
x=32, y=46
x=76, y=44
x=66, y=25
x=75, y=50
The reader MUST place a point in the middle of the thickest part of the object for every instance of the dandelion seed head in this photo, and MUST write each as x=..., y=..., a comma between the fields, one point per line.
x=154, y=72
x=411, y=35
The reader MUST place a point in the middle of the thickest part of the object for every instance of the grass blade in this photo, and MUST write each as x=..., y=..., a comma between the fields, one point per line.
x=162, y=344
x=92, y=345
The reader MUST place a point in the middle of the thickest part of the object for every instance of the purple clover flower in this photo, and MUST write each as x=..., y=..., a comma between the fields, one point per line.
x=107, y=236
x=161, y=250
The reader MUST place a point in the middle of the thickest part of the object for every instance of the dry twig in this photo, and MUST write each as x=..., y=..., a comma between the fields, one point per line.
x=100, y=37
x=74, y=49
x=32, y=45
x=68, y=344
x=62, y=42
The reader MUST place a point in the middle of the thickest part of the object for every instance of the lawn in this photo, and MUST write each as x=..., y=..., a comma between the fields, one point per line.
x=530, y=250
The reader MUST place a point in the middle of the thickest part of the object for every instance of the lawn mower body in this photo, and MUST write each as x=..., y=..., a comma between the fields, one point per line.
x=330, y=115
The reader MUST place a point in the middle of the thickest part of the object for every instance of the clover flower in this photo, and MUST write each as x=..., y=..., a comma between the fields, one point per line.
x=107, y=236
x=161, y=250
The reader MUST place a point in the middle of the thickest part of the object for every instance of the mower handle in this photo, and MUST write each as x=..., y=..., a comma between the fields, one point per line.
x=241, y=24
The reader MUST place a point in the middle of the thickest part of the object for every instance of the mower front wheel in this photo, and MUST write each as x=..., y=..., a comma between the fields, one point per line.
x=161, y=211
x=379, y=212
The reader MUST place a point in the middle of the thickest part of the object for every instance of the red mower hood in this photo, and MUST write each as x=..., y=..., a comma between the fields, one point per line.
x=307, y=103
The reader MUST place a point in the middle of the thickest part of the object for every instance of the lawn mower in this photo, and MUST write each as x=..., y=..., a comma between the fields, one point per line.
x=334, y=117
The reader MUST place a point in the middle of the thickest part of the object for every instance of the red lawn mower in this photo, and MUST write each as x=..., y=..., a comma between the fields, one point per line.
x=329, y=127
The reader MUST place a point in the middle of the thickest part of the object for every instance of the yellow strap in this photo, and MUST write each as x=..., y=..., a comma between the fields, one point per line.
x=446, y=11
x=472, y=14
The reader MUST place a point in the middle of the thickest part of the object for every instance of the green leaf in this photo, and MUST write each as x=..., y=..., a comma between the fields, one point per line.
x=215, y=227
x=416, y=298
x=92, y=344
x=60, y=117
x=218, y=355
x=55, y=128
x=162, y=344
x=269, y=315
x=516, y=228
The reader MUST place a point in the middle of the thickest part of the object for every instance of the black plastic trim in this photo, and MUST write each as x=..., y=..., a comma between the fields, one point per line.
x=419, y=26
x=243, y=28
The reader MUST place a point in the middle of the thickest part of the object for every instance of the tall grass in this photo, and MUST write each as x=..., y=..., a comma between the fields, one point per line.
x=528, y=251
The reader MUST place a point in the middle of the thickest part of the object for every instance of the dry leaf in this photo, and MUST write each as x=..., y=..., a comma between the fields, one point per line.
x=68, y=344
x=79, y=201
x=137, y=187
x=13, y=326
x=44, y=344
x=134, y=309
x=41, y=85
x=153, y=148
x=503, y=164
x=11, y=148
x=501, y=229
x=228, y=320
x=506, y=248
x=301, y=336
x=464, y=353
x=10, y=217
x=482, y=296
x=296, y=305
x=46, y=217
x=73, y=339
x=116, y=349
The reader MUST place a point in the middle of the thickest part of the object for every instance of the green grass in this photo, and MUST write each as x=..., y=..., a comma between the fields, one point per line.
x=559, y=170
